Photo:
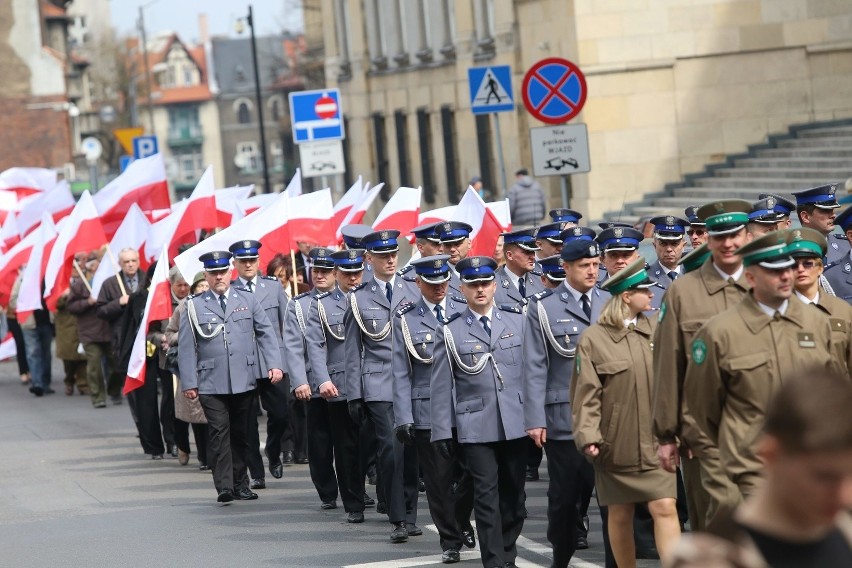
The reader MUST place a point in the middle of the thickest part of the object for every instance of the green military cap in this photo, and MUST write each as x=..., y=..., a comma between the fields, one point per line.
x=630, y=277
x=725, y=216
x=694, y=258
x=806, y=242
x=768, y=251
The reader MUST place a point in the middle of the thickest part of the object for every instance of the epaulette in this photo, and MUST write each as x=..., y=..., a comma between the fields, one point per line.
x=322, y=295
x=538, y=296
x=269, y=278
x=510, y=308
x=405, y=308
x=404, y=270
x=461, y=299
x=841, y=236
x=358, y=287
x=647, y=266
x=452, y=317
x=191, y=296
x=303, y=294
x=536, y=272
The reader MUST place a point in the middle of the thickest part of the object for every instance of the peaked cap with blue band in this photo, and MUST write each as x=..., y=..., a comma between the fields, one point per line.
x=349, y=260
x=433, y=269
x=381, y=242
x=578, y=233
x=563, y=215
x=823, y=196
x=476, y=268
x=215, y=260
x=245, y=249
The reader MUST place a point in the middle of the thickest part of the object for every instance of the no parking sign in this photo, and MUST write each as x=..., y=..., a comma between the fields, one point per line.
x=554, y=90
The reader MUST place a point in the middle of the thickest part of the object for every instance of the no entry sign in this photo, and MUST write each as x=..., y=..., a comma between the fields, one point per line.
x=554, y=90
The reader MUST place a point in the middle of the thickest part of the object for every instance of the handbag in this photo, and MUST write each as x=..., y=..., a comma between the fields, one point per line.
x=185, y=409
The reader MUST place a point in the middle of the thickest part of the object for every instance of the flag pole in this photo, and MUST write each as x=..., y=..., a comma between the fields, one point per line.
x=118, y=271
x=295, y=280
x=82, y=276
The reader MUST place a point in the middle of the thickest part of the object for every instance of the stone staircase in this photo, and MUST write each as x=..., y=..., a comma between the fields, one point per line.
x=806, y=156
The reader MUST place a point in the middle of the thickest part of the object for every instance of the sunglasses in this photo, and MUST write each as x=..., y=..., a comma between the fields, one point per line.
x=699, y=232
x=806, y=264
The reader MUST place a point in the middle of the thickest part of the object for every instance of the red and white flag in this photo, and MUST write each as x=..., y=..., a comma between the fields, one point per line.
x=401, y=212
x=27, y=181
x=486, y=227
x=58, y=201
x=294, y=188
x=158, y=306
x=197, y=212
x=9, y=234
x=82, y=232
x=255, y=202
x=132, y=233
x=8, y=349
x=349, y=200
x=143, y=182
x=502, y=213
x=11, y=262
x=356, y=214
x=29, y=294
x=227, y=204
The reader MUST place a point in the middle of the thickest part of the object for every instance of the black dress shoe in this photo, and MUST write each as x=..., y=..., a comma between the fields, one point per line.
x=277, y=470
x=258, y=483
x=172, y=450
x=328, y=505
x=302, y=460
x=582, y=543
x=288, y=457
x=38, y=391
x=469, y=538
x=157, y=456
x=355, y=517
x=371, y=479
x=369, y=501
x=413, y=530
x=421, y=486
x=48, y=390
x=531, y=475
x=225, y=496
x=450, y=556
x=399, y=533
x=204, y=467
x=246, y=494
x=382, y=508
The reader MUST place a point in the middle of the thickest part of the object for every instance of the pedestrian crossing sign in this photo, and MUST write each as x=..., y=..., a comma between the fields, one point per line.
x=490, y=89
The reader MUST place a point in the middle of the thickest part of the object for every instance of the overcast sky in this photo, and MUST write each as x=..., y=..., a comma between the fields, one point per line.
x=271, y=16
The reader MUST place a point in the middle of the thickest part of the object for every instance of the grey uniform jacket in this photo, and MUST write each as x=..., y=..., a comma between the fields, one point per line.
x=226, y=363
x=548, y=372
x=295, y=325
x=269, y=292
x=486, y=408
x=507, y=293
x=411, y=376
x=327, y=353
x=838, y=248
x=839, y=276
x=368, y=361
x=660, y=275
x=409, y=282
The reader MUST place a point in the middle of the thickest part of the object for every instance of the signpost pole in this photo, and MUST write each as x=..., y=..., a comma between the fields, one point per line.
x=565, y=185
x=502, y=163
x=93, y=176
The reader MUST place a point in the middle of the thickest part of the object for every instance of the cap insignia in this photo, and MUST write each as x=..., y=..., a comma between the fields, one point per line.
x=618, y=232
x=384, y=235
x=475, y=262
x=353, y=254
x=770, y=203
x=438, y=263
x=719, y=206
x=216, y=255
x=670, y=220
x=578, y=232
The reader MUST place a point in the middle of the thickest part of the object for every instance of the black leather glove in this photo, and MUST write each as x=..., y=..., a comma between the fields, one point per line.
x=358, y=411
x=444, y=448
x=405, y=434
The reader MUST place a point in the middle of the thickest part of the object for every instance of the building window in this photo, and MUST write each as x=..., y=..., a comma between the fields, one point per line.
x=188, y=75
x=242, y=108
x=184, y=123
x=275, y=106
x=483, y=14
x=424, y=131
x=381, y=153
x=448, y=133
x=341, y=20
x=401, y=126
x=276, y=154
x=376, y=36
x=483, y=143
x=247, y=158
x=189, y=165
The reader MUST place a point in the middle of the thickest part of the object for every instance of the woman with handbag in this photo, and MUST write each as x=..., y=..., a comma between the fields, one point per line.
x=186, y=411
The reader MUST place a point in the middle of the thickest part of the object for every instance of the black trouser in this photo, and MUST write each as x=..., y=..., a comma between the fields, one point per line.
x=498, y=470
x=75, y=373
x=450, y=510
x=333, y=445
x=295, y=436
x=199, y=431
x=565, y=468
x=144, y=408
x=368, y=449
x=396, y=467
x=227, y=419
x=21, y=355
x=167, y=406
x=273, y=399
x=534, y=455
x=587, y=487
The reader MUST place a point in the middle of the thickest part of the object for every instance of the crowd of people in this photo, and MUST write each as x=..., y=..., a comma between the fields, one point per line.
x=646, y=384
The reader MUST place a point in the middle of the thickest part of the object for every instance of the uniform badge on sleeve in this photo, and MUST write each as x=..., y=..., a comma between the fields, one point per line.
x=699, y=351
x=662, y=312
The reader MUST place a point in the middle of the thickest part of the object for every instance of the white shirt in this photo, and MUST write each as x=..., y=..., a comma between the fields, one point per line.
x=575, y=293
x=807, y=300
x=431, y=306
x=513, y=278
x=382, y=282
x=630, y=321
x=246, y=283
x=771, y=311
x=677, y=269
x=736, y=275
x=488, y=315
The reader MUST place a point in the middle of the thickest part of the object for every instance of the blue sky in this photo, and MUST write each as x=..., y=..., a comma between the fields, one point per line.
x=271, y=16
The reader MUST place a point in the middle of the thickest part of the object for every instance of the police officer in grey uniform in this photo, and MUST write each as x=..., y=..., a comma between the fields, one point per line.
x=455, y=241
x=548, y=239
x=270, y=294
x=518, y=279
x=620, y=246
x=838, y=276
x=352, y=239
x=428, y=243
x=334, y=435
x=568, y=217
x=816, y=208
x=414, y=330
x=554, y=321
x=478, y=357
x=224, y=336
x=669, y=234
x=369, y=379
x=783, y=206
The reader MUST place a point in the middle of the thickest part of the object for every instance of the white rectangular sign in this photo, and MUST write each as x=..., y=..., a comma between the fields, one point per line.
x=560, y=150
x=322, y=158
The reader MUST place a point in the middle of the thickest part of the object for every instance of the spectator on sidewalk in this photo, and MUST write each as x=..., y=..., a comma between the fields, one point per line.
x=21, y=350
x=68, y=342
x=527, y=202
x=38, y=335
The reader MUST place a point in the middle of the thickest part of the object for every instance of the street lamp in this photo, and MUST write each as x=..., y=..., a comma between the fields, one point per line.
x=239, y=29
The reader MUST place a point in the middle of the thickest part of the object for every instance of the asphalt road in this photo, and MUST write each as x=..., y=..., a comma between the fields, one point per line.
x=76, y=490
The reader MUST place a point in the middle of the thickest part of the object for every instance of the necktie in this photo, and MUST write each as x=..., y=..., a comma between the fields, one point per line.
x=249, y=285
x=222, y=303
x=485, y=326
x=131, y=284
x=776, y=316
x=438, y=313
x=389, y=292
x=631, y=326
x=587, y=306
x=673, y=275
x=522, y=286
